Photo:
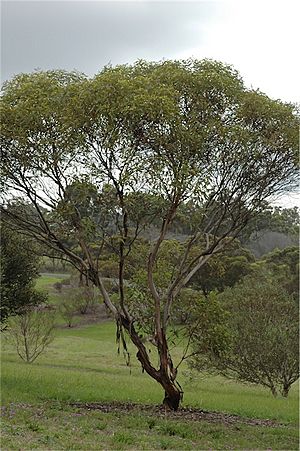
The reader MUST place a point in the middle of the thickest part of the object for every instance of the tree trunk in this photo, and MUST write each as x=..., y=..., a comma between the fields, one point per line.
x=273, y=390
x=166, y=374
x=285, y=390
x=172, y=397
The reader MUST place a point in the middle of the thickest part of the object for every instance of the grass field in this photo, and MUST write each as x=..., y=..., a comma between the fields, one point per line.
x=82, y=365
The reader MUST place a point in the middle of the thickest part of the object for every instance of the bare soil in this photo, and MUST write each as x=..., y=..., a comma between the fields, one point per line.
x=184, y=413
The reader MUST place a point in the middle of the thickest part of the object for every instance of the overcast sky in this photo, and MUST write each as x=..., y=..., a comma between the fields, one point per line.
x=260, y=38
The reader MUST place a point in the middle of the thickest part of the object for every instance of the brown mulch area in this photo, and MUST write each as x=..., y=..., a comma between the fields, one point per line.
x=185, y=413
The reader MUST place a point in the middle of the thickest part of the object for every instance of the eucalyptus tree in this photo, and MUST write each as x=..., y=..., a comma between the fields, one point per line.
x=109, y=156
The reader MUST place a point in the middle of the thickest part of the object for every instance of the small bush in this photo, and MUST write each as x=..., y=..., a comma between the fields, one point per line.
x=260, y=335
x=31, y=333
x=80, y=300
x=68, y=308
x=57, y=286
x=84, y=298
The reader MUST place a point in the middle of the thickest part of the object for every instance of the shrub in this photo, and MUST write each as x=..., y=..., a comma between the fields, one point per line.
x=84, y=299
x=78, y=300
x=19, y=269
x=261, y=345
x=31, y=333
x=68, y=307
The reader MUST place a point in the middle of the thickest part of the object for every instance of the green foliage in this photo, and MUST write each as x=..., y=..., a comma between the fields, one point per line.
x=53, y=265
x=169, y=124
x=283, y=265
x=224, y=269
x=288, y=257
x=276, y=219
x=77, y=300
x=85, y=297
x=40, y=103
x=208, y=327
x=262, y=336
x=110, y=268
x=184, y=307
x=19, y=269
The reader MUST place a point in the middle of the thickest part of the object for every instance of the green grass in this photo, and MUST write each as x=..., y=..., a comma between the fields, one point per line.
x=55, y=426
x=46, y=281
x=82, y=364
x=45, y=284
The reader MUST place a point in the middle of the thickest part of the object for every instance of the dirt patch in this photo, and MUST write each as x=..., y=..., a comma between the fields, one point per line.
x=185, y=413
